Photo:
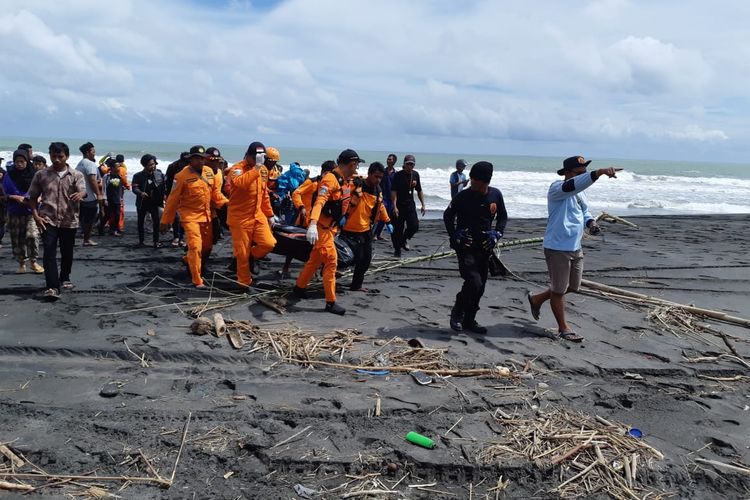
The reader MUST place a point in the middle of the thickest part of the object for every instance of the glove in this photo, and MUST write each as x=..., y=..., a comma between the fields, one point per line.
x=273, y=220
x=389, y=228
x=594, y=229
x=490, y=239
x=461, y=238
x=312, y=233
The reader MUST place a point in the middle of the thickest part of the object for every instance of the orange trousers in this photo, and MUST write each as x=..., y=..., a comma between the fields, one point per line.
x=250, y=238
x=199, y=239
x=121, y=220
x=324, y=252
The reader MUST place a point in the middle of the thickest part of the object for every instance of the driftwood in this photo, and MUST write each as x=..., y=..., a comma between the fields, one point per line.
x=613, y=218
x=219, y=326
x=14, y=459
x=648, y=299
x=235, y=338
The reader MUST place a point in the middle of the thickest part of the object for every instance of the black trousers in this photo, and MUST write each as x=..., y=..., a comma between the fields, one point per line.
x=474, y=266
x=405, y=226
x=65, y=238
x=362, y=245
x=88, y=212
x=146, y=209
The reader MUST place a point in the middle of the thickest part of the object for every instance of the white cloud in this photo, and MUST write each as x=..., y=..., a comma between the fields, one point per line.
x=440, y=89
x=605, y=72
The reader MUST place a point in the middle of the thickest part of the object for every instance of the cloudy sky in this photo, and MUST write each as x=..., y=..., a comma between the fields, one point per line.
x=662, y=79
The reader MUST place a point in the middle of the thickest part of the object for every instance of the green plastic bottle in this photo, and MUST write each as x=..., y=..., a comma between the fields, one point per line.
x=420, y=440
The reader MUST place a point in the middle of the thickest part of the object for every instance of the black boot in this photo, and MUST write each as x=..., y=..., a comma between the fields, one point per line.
x=300, y=293
x=334, y=308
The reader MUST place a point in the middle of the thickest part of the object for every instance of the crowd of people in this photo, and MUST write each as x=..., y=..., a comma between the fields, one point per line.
x=200, y=197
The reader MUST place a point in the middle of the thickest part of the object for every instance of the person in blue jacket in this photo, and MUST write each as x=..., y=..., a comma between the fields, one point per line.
x=568, y=217
x=24, y=235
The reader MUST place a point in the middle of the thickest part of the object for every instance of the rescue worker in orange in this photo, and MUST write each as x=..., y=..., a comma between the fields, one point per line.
x=334, y=192
x=250, y=216
x=365, y=210
x=302, y=199
x=303, y=196
x=195, y=192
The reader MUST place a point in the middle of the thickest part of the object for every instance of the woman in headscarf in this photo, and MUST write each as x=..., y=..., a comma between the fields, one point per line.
x=24, y=235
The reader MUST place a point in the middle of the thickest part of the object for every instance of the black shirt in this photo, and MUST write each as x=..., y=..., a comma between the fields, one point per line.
x=173, y=169
x=475, y=212
x=404, y=184
x=152, y=184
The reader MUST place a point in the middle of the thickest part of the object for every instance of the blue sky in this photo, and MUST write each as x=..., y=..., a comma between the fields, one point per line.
x=615, y=78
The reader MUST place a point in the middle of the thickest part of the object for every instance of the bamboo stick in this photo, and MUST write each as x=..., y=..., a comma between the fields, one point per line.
x=722, y=465
x=471, y=372
x=698, y=311
x=5, y=485
x=219, y=325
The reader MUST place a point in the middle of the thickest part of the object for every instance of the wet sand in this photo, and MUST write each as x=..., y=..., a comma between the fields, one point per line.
x=73, y=399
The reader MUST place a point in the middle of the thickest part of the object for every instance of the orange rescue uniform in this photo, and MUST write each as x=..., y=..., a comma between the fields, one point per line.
x=361, y=215
x=247, y=218
x=193, y=196
x=302, y=198
x=324, y=251
x=123, y=169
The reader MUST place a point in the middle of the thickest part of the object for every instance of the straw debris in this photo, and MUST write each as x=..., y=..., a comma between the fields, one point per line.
x=594, y=457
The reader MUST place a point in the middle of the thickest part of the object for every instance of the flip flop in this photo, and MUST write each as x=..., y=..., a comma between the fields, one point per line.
x=570, y=336
x=421, y=377
x=534, y=310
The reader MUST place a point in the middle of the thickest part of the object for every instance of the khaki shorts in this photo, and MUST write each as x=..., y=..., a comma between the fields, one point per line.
x=565, y=270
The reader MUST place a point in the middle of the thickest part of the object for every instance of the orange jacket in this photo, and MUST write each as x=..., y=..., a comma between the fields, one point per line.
x=329, y=188
x=124, y=175
x=360, y=217
x=193, y=196
x=303, y=195
x=249, y=199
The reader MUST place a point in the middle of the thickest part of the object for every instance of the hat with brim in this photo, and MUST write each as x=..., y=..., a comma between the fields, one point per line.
x=199, y=151
x=349, y=155
x=573, y=163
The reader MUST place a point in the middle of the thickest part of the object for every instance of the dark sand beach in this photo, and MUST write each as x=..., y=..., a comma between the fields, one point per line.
x=75, y=399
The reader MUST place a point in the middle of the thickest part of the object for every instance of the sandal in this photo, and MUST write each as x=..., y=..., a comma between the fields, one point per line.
x=67, y=285
x=51, y=294
x=570, y=336
x=534, y=309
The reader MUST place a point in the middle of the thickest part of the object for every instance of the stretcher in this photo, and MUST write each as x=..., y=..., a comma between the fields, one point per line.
x=291, y=242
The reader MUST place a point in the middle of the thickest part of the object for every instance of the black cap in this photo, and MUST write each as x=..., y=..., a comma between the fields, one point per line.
x=481, y=171
x=349, y=155
x=460, y=163
x=120, y=158
x=410, y=159
x=213, y=152
x=254, y=148
x=572, y=163
x=147, y=158
x=197, y=151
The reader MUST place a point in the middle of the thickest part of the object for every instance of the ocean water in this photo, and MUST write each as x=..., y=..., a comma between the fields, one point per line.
x=644, y=187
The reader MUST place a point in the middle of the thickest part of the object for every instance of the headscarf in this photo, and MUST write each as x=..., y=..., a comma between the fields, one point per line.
x=22, y=178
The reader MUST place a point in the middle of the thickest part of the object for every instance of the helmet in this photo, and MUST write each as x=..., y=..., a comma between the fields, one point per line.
x=273, y=154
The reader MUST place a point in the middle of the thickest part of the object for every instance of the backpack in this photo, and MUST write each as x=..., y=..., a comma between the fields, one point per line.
x=335, y=208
